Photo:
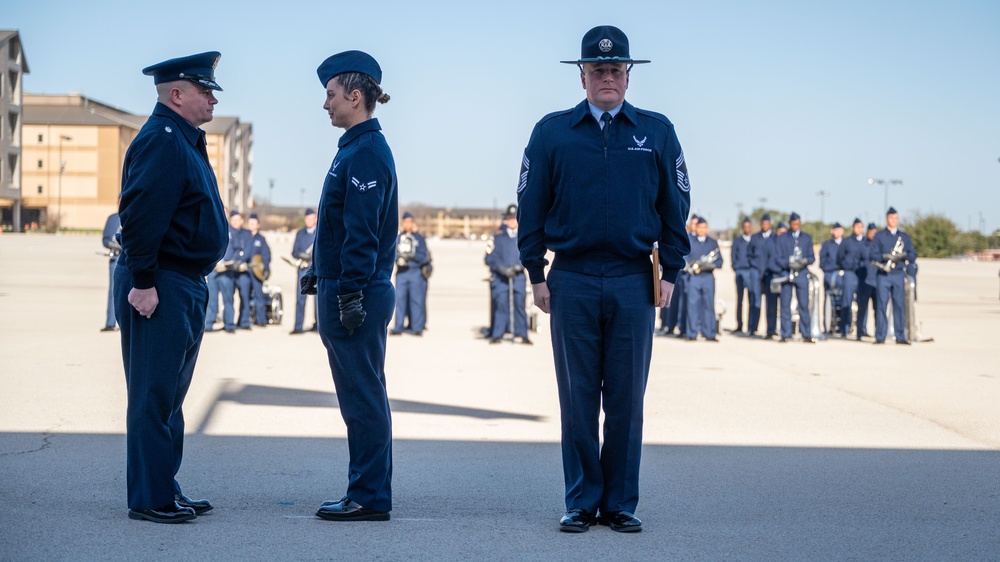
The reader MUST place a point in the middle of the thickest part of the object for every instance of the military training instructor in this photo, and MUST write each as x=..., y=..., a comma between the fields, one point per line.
x=600, y=184
x=173, y=231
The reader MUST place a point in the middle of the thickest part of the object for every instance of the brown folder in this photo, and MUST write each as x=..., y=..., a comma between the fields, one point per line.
x=656, y=276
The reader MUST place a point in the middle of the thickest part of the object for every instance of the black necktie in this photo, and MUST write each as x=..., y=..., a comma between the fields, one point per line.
x=606, y=128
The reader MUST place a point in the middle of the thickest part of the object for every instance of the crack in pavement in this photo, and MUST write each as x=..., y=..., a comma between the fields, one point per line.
x=46, y=443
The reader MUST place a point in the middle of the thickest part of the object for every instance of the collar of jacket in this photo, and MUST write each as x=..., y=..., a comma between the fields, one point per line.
x=358, y=130
x=582, y=111
x=190, y=132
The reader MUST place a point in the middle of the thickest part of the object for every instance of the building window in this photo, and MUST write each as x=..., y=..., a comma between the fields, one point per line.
x=39, y=138
x=40, y=164
x=39, y=190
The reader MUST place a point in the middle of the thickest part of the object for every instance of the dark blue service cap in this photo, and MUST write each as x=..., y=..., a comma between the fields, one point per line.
x=349, y=61
x=794, y=217
x=407, y=215
x=604, y=43
x=310, y=212
x=857, y=221
x=891, y=211
x=702, y=221
x=871, y=226
x=508, y=215
x=694, y=217
x=782, y=225
x=199, y=69
x=253, y=216
x=837, y=225
x=765, y=217
x=745, y=220
x=234, y=212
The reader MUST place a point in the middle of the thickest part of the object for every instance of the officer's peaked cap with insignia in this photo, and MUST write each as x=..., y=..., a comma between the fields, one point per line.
x=199, y=69
x=604, y=43
x=349, y=61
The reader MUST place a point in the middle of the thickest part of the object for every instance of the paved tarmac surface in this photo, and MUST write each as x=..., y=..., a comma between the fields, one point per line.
x=754, y=450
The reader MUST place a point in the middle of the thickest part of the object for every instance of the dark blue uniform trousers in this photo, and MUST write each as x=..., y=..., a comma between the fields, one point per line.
x=159, y=354
x=357, y=362
x=886, y=287
x=501, y=307
x=242, y=281
x=866, y=298
x=259, y=301
x=602, y=338
x=212, y=312
x=411, y=300
x=801, y=286
x=850, y=288
x=701, y=306
x=674, y=316
x=770, y=306
x=300, y=303
x=110, y=320
x=748, y=282
x=226, y=282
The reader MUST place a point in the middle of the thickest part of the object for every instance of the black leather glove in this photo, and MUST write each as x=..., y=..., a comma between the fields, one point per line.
x=307, y=284
x=351, y=313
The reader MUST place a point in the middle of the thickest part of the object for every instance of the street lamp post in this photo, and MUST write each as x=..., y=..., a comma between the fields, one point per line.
x=62, y=170
x=886, y=184
x=823, y=194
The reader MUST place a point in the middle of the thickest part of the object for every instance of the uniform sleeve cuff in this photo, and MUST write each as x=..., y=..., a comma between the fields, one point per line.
x=143, y=279
x=670, y=275
x=536, y=275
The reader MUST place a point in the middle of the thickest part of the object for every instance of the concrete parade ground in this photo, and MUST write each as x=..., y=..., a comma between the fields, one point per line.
x=754, y=450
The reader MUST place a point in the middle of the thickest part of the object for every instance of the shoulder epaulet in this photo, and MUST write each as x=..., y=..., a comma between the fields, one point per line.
x=658, y=116
x=555, y=114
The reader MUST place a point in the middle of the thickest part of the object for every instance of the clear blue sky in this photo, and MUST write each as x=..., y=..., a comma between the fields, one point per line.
x=775, y=100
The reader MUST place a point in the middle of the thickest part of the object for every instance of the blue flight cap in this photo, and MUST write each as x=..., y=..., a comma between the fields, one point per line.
x=891, y=211
x=694, y=217
x=871, y=226
x=253, y=216
x=745, y=220
x=702, y=221
x=837, y=225
x=349, y=61
x=765, y=217
x=407, y=215
x=782, y=224
x=310, y=212
x=794, y=217
x=604, y=43
x=234, y=212
x=199, y=69
x=857, y=221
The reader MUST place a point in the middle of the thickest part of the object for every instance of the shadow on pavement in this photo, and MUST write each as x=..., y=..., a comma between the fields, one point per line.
x=502, y=500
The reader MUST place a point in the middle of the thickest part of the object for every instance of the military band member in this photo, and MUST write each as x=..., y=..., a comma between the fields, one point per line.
x=600, y=184
x=173, y=233
x=893, y=249
x=355, y=249
x=504, y=262
x=832, y=273
x=781, y=228
x=231, y=279
x=852, y=259
x=674, y=315
x=763, y=244
x=866, y=284
x=302, y=252
x=411, y=281
x=745, y=258
x=793, y=253
x=260, y=248
x=704, y=259
x=111, y=227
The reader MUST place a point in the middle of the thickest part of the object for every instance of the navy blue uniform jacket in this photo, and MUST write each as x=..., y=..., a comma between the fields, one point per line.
x=761, y=254
x=303, y=244
x=883, y=243
x=784, y=248
x=240, y=248
x=828, y=255
x=743, y=253
x=358, y=211
x=111, y=228
x=600, y=209
x=260, y=248
x=504, y=252
x=853, y=254
x=171, y=212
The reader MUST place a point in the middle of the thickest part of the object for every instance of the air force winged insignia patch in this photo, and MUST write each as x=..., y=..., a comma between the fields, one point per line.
x=638, y=142
x=523, y=180
x=683, y=181
x=363, y=186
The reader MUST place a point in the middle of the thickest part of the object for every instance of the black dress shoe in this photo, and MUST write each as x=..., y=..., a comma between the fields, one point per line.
x=347, y=510
x=902, y=342
x=526, y=341
x=230, y=330
x=296, y=332
x=108, y=329
x=809, y=340
x=495, y=340
x=621, y=521
x=879, y=342
x=395, y=332
x=576, y=521
x=716, y=340
x=170, y=513
x=783, y=340
x=200, y=507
